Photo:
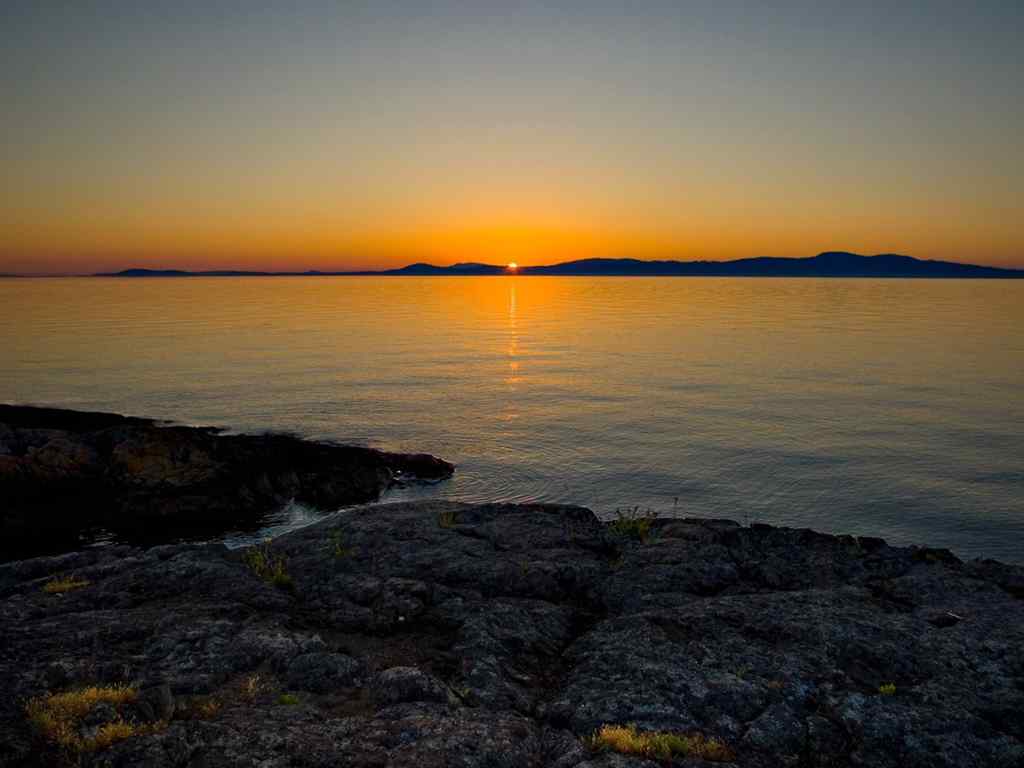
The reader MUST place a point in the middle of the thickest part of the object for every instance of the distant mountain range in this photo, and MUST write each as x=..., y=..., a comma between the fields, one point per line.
x=829, y=264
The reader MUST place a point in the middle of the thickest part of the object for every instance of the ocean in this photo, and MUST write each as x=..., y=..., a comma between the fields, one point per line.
x=890, y=408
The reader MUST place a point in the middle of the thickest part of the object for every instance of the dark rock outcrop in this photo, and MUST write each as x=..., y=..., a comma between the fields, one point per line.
x=64, y=475
x=436, y=634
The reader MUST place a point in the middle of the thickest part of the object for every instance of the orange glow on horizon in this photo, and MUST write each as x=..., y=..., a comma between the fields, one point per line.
x=369, y=140
x=104, y=244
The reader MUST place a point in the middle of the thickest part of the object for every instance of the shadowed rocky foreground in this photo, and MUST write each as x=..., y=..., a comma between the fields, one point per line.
x=436, y=634
x=66, y=476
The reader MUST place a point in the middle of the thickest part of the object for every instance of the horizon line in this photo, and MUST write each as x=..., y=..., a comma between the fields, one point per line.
x=327, y=272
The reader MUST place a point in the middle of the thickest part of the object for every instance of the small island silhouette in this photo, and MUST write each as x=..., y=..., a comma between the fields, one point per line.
x=828, y=264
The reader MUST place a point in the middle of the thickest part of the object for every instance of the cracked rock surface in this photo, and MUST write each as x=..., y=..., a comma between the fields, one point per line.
x=444, y=634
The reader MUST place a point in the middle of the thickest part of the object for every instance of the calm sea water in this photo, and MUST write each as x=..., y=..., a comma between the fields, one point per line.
x=882, y=407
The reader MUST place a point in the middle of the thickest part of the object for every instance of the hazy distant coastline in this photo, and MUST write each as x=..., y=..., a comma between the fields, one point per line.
x=828, y=264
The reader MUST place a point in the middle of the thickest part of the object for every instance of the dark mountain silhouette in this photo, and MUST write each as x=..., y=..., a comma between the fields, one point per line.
x=829, y=264
x=454, y=269
x=182, y=273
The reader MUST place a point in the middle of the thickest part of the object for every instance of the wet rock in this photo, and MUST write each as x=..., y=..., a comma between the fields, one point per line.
x=64, y=473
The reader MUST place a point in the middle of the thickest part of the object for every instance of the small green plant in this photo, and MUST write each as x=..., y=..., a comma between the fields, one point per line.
x=633, y=523
x=58, y=585
x=446, y=518
x=269, y=567
x=338, y=545
x=888, y=689
x=287, y=699
x=660, y=745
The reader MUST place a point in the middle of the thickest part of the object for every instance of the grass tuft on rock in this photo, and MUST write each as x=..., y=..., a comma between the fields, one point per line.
x=633, y=523
x=272, y=568
x=58, y=585
x=57, y=718
x=288, y=700
x=109, y=734
x=446, y=518
x=253, y=687
x=660, y=745
x=888, y=689
x=200, y=708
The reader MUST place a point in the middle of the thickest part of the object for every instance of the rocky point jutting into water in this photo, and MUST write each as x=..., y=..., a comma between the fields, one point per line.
x=65, y=474
x=438, y=634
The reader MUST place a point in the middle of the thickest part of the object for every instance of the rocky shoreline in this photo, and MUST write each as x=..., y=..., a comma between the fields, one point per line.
x=437, y=634
x=65, y=475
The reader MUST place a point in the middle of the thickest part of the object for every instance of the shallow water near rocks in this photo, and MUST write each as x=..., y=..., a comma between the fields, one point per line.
x=291, y=517
x=891, y=408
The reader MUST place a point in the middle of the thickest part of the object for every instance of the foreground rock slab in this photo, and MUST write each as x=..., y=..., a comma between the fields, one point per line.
x=66, y=474
x=438, y=634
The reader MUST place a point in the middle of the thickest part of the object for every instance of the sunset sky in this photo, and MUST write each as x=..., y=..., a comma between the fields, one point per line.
x=343, y=135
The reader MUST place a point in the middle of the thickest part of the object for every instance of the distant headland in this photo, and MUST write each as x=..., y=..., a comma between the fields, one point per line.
x=828, y=264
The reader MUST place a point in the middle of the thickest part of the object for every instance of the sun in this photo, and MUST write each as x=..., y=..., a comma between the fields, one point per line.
x=512, y=266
